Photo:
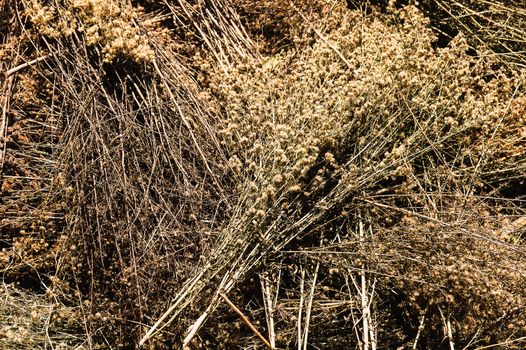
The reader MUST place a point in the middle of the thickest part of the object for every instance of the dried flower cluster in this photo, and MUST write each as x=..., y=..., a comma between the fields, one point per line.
x=367, y=97
x=111, y=25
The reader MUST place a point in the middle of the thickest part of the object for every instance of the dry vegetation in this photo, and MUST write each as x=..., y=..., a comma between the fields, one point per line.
x=346, y=174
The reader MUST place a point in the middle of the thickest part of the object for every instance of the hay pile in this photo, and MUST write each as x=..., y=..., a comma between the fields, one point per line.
x=332, y=169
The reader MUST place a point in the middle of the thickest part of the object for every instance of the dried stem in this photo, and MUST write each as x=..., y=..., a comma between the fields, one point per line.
x=246, y=320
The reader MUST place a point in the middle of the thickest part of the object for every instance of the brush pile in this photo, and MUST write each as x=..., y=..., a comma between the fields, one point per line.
x=338, y=171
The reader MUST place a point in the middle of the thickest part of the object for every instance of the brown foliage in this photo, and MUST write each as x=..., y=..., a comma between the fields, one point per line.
x=340, y=175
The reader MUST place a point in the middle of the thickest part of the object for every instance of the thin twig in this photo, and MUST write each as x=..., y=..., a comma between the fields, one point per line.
x=300, y=310
x=309, y=307
x=269, y=310
x=447, y=329
x=3, y=123
x=363, y=294
x=246, y=320
x=450, y=334
x=420, y=328
x=498, y=345
x=195, y=327
x=25, y=65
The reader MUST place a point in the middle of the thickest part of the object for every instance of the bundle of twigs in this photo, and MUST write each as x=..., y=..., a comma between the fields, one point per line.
x=132, y=151
x=318, y=139
x=143, y=161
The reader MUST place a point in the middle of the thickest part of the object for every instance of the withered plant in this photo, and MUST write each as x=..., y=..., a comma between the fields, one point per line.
x=226, y=174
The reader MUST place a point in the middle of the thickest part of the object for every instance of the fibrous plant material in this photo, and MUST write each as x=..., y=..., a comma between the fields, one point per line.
x=363, y=113
x=108, y=24
x=30, y=218
x=368, y=177
x=495, y=26
x=32, y=321
x=146, y=172
x=135, y=168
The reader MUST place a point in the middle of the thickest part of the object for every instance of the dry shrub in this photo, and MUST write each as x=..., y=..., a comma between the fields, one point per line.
x=493, y=28
x=454, y=266
x=365, y=167
x=365, y=107
x=107, y=24
x=142, y=165
x=134, y=165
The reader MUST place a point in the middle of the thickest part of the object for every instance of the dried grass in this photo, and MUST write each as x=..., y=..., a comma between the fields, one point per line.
x=349, y=184
x=495, y=26
x=31, y=321
x=135, y=168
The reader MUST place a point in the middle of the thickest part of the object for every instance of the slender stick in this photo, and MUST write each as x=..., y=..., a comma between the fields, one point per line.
x=447, y=329
x=300, y=311
x=195, y=327
x=309, y=307
x=372, y=324
x=3, y=123
x=269, y=310
x=450, y=335
x=27, y=64
x=498, y=345
x=365, y=303
x=420, y=329
x=245, y=319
